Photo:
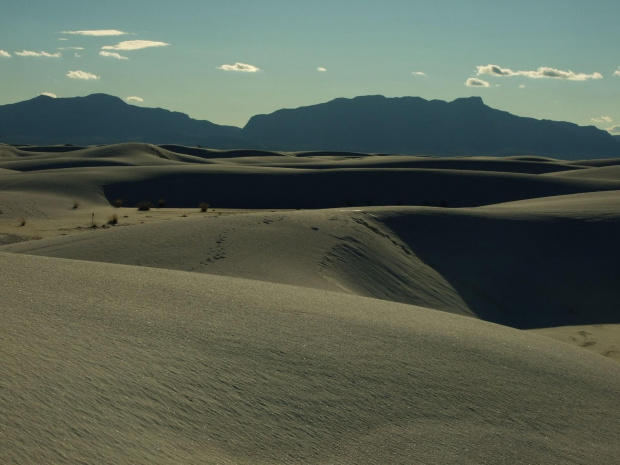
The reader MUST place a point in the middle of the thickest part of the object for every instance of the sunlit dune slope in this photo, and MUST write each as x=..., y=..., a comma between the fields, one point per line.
x=535, y=263
x=121, y=364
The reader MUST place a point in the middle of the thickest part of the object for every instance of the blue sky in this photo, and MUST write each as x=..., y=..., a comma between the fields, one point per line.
x=228, y=60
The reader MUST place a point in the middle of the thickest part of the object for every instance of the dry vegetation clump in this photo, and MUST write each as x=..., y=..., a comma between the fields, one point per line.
x=22, y=222
x=204, y=206
x=76, y=204
x=113, y=219
x=144, y=206
x=118, y=203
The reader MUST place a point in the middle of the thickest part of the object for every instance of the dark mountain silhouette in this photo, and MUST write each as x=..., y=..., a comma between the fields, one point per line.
x=370, y=124
x=104, y=119
x=412, y=125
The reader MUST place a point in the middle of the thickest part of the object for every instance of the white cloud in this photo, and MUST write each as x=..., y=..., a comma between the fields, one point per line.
x=243, y=67
x=602, y=119
x=617, y=72
x=28, y=53
x=321, y=69
x=542, y=72
x=545, y=72
x=135, y=45
x=112, y=55
x=475, y=82
x=70, y=48
x=97, y=33
x=133, y=98
x=62, y=38
x=81, y=75
x=495, y=70
x=522, y=86
x=49, y=94
x=418, y=73
x=5, y=54
x=77, y=55
x=614, y=130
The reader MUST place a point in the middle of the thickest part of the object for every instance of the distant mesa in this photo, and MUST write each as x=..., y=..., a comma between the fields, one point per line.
x=368, y=124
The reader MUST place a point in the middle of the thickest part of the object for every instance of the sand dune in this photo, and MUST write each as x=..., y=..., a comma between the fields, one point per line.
x=524, y=264
x=137, y=172
x=125, y=364
x=264, y=332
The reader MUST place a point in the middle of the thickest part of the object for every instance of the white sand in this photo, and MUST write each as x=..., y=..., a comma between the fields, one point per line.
x=238, y=336
x=135, y=365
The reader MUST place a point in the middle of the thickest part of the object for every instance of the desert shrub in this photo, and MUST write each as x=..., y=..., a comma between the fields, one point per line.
x=22, y=222
x=113, y=219
x=160, y=203
x=203, y=206
x=76, y=204
x=144, y=206
x=118, y=203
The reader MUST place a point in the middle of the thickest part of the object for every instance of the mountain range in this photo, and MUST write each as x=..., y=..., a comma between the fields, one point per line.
x=368, y=124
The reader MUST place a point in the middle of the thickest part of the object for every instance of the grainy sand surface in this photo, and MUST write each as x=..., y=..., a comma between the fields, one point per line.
x=326, y=308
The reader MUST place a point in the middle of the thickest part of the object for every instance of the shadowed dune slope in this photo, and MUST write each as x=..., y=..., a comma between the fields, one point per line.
x=184, y=177
x=536, y=263
x=264, y=187
x=120, y=364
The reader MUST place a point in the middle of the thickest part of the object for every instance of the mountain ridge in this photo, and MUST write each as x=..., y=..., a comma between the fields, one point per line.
x=104, y=119
x=367, y=124
x=412, y=125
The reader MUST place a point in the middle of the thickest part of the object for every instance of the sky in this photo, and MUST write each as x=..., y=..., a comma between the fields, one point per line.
x=225, y=61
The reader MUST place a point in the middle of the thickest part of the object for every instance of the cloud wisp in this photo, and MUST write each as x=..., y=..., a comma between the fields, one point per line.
x=241, y=67
x=70, y=48
x=28, y=53
x=602, y=119
x=118, y=56
x=617, y=72
x=49, y=94
x=542, y=72
x=614, y=130
x=418, y=73
x=82, y=75
x=320, y=69
x=135, y=45
x=97, y=33
x=475, y=82
x=5, y=54
x=133, y=98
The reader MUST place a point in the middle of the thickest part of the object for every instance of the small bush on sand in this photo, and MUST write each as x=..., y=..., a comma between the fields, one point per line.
x=204, y=206
x=118, y=203
x=160, y=203
x=22, y=222
x=76, y=204
x=144, y=206
x=113, y=219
